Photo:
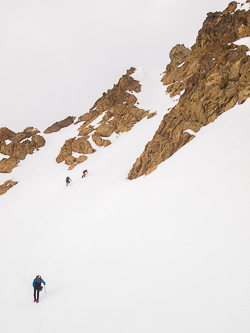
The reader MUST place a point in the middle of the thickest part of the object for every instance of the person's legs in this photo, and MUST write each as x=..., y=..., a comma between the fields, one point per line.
x=37, y=295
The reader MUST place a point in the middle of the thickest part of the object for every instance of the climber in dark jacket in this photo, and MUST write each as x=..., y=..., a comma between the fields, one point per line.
x=37, y=285
x=68, y=180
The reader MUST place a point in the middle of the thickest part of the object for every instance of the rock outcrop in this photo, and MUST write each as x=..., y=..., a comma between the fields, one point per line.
x=59, y=125
x=18, y=146
x=6, y=186
x=117, y=113
x=8, y=164
x=211, y=78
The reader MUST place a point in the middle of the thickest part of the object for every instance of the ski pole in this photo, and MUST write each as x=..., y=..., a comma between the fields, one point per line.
x=45, y=289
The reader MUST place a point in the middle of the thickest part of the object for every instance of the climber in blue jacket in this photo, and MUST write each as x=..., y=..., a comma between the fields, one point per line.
x=37, y=285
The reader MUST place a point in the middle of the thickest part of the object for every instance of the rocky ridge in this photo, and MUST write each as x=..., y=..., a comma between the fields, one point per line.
x=118, y=113
x=211, y=77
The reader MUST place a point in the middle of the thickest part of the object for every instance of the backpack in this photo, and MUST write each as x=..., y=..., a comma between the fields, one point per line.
x=38, y=281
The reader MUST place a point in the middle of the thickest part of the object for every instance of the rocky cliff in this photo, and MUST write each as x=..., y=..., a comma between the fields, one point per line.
x=116, y=111
x=211, y=77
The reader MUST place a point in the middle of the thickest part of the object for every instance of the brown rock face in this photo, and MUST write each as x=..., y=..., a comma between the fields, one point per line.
x=6, y=186
x=105, y=130
x=99, y=141
x=66, y=150
x=213, y=76
x=82, y=146
x=83, y=131
x=77, y=161
x=118, y=114
x=7, y=164
x=20, y=145
x=59, y=125
x=6, y=134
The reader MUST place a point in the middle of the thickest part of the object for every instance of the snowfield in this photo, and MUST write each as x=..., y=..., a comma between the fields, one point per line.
x=167, y=252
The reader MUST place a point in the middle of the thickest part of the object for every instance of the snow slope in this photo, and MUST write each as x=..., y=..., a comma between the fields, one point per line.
x=168, y=252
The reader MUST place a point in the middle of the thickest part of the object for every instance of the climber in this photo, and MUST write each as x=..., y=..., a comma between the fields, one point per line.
x=84, y=173
x=37, y=285
x=68, y=180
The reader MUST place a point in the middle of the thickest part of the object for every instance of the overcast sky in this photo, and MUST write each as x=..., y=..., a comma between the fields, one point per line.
x=57, y=57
